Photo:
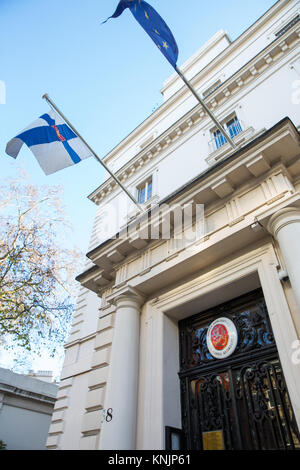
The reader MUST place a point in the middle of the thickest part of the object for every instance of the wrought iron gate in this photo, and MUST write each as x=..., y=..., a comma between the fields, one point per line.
x=240, y=402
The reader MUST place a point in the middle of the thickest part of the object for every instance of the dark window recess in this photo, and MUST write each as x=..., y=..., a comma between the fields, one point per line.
x=174, y=439
x=233, y=127
x=144, y=191
x=288, y=26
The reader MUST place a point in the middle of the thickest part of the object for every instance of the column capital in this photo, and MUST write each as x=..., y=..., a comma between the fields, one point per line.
x=126, y=297
x=283, y=217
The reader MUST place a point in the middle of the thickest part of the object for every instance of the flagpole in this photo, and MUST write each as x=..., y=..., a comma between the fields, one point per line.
x=210, y=114
x=52, y=104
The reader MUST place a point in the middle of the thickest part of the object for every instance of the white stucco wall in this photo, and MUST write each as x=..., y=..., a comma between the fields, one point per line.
x=224, y=66
x=258, y=105
x=23, y=429
x=26, y=406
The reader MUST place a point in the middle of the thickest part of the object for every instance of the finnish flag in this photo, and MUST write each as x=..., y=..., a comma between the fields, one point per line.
x=52, y=142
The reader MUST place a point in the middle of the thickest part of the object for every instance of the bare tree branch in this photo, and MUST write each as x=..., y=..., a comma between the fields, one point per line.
x=37, y=269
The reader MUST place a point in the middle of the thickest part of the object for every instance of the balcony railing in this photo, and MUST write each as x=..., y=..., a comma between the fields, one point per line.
x=219, y=140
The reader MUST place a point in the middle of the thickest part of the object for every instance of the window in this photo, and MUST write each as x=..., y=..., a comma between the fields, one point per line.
x=144, y=191
x=174, y=438
x=233, y=128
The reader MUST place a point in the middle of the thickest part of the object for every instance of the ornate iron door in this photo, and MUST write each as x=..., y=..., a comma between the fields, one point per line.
x=241, y=401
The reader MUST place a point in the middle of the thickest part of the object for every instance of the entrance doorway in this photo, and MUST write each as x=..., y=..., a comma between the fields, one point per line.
x=233, y=391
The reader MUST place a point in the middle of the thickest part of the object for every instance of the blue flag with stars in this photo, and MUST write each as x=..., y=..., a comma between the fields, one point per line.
x=153, y=24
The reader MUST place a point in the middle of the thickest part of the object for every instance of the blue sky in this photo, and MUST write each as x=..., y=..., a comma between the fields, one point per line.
x=105, y=78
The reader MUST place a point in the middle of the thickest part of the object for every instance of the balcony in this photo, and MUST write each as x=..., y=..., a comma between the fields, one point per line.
x=219, y=146
x=233, y=129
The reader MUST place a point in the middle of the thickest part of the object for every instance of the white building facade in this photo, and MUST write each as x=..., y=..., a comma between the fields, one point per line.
x=26, y=406
x=194, y=343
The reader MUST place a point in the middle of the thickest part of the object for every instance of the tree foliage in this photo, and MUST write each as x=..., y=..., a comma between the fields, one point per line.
x=37, y=268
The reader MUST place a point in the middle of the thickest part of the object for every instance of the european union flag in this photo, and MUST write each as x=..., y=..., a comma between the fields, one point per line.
x=154, y=25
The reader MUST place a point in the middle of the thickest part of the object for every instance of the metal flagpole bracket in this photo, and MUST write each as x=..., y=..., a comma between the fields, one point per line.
x=208, y=111
x=52, y=104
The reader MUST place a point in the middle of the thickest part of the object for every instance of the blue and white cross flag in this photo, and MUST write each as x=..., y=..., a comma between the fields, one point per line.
x=52, y=142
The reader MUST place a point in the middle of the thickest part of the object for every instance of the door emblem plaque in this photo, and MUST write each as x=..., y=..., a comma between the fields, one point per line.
x=222, y=338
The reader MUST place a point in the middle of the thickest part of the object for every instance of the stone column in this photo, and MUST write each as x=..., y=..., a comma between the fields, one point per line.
x=118, y=431
x=285, y=226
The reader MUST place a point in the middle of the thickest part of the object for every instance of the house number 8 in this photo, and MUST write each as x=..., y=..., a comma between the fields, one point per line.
x=109, y=415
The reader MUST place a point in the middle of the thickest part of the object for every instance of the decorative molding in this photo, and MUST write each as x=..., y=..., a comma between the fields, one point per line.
x=239, y=80
x=283, y=217
x=248, y=184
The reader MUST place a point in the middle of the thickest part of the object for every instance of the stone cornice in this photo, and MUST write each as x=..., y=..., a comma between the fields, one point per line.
x=191, y=120
x=274, y=9
x=263, y=165
x=237, y=42
x=221, y=34
x=15, y=391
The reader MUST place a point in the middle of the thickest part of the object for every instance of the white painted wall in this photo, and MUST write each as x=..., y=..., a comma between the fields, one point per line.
x=26, y=405
x=171, y=382
x=23, y=429
x=225, y=65
x=260, y=105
